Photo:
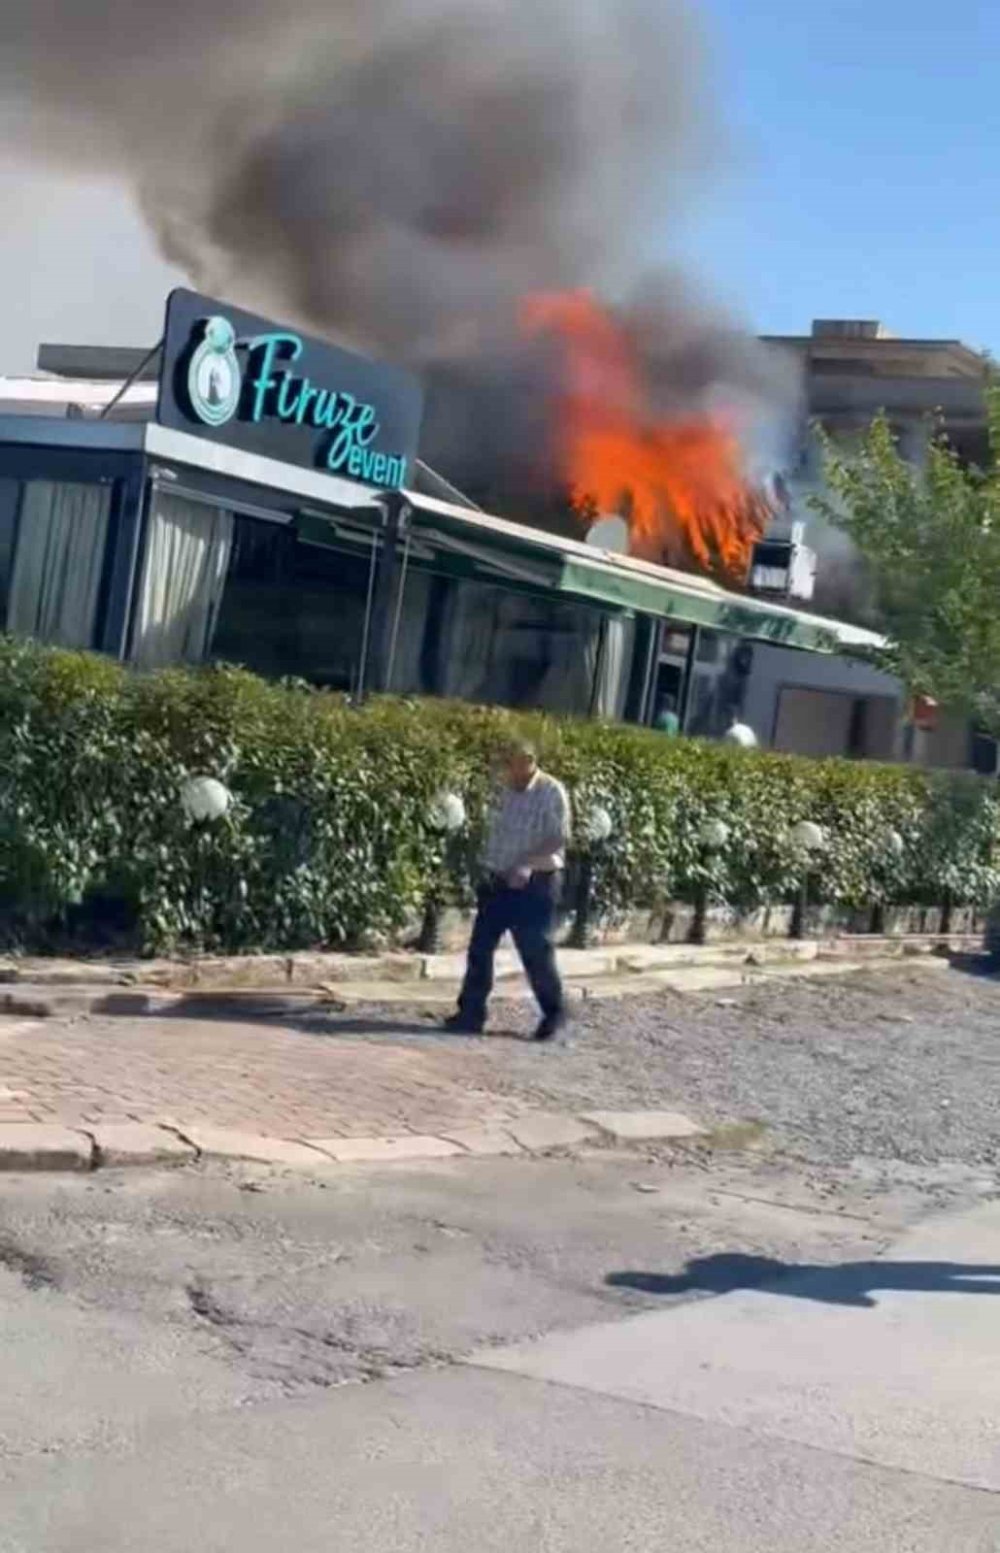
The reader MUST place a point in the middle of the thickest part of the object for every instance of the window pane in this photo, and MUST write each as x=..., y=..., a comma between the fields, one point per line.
x=290, y=608
x=518, y=650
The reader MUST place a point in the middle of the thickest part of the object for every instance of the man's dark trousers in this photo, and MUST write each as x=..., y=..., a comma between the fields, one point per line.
x=529, y=916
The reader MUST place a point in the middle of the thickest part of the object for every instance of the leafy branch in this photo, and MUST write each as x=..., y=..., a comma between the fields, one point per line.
x=931, y=539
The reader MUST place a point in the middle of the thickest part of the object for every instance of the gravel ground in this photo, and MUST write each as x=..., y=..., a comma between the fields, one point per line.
x=885, y=1065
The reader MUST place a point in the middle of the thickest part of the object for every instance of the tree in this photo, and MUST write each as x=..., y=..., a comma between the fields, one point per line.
x=930, y=536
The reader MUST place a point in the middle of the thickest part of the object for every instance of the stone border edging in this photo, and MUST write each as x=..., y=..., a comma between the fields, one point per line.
x=33, y=1147
x=66, y=1000
x=311, y=972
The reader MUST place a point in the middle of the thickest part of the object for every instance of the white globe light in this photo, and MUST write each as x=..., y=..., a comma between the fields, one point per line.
x=808, y=836
x=446, y=812
x=742, y=736
x=714, y=835
x=597, y=823
x=205, y=798
x=894, y=844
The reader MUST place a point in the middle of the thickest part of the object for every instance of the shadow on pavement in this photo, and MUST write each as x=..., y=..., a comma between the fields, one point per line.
x=335, y=1024
x=851, y=1283
x=330, y=1024
x=299, y=1015
x=979, y=964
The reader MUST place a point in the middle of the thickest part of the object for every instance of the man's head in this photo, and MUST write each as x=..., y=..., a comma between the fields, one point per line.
x=518, y=762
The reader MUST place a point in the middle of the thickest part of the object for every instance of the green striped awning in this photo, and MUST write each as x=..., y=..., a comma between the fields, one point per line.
x=628, y=585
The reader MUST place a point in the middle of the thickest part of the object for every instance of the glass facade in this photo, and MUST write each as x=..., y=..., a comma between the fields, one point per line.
x=292, y=608
x=510, y=649
x=259, y=594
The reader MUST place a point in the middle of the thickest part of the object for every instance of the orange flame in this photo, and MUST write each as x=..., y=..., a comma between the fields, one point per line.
x=679, y=483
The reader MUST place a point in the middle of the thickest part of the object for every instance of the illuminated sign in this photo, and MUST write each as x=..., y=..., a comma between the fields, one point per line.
x=242, y=380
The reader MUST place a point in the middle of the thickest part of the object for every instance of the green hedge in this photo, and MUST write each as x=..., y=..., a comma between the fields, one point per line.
x=327, y=842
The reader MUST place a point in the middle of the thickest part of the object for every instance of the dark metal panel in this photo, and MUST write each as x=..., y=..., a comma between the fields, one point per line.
x=97, y=363
x=380, y=614
x=687, y=685
x=64, y=431
x=121, y=571
x=88, y=466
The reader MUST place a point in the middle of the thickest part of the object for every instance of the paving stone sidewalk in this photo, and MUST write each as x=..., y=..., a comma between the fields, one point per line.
x=80, y=1095
x=885, y=1062
x=250, y=1077
x=292, y=1074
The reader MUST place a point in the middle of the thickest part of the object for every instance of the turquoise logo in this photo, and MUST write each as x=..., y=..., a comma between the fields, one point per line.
x=214, y=378
x=351, y=423
x=264, y=388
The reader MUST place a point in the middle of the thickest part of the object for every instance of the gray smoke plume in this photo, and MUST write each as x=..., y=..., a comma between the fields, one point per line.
x=844, y=587
x=397, y=173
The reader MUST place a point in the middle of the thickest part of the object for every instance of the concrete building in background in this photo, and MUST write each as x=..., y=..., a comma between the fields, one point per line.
x=849, y=371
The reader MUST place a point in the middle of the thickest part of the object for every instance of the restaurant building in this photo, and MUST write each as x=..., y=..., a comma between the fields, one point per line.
x=261, y=501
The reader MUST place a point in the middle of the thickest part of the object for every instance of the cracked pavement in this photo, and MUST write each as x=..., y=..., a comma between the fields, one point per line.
x=144, y=1312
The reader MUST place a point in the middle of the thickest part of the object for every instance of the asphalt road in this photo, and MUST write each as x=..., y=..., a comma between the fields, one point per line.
x=462, y=1460
x=454, y=1356
x=225, y=1359
x=292, y=1283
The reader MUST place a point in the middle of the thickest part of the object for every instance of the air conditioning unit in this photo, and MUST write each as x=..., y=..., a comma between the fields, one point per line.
x=783, y=568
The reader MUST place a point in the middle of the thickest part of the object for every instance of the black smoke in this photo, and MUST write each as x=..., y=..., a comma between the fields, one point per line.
x=396, y=174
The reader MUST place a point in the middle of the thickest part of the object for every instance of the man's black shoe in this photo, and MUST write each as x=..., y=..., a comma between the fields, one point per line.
x=551, y=1027
x=458, y=1024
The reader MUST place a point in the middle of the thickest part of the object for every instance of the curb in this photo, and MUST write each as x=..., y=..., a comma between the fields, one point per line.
x=29, y=1147
x=29, y=1001
x=418, y=975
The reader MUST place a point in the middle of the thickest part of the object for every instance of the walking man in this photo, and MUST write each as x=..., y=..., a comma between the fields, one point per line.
x=524, y=861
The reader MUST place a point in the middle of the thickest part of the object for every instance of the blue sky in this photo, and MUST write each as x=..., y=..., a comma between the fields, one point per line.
x=864, y=171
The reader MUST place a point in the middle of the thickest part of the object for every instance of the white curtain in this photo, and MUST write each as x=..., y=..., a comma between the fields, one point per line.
x=58, y=561
x=615, y=663
x=188, y=545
